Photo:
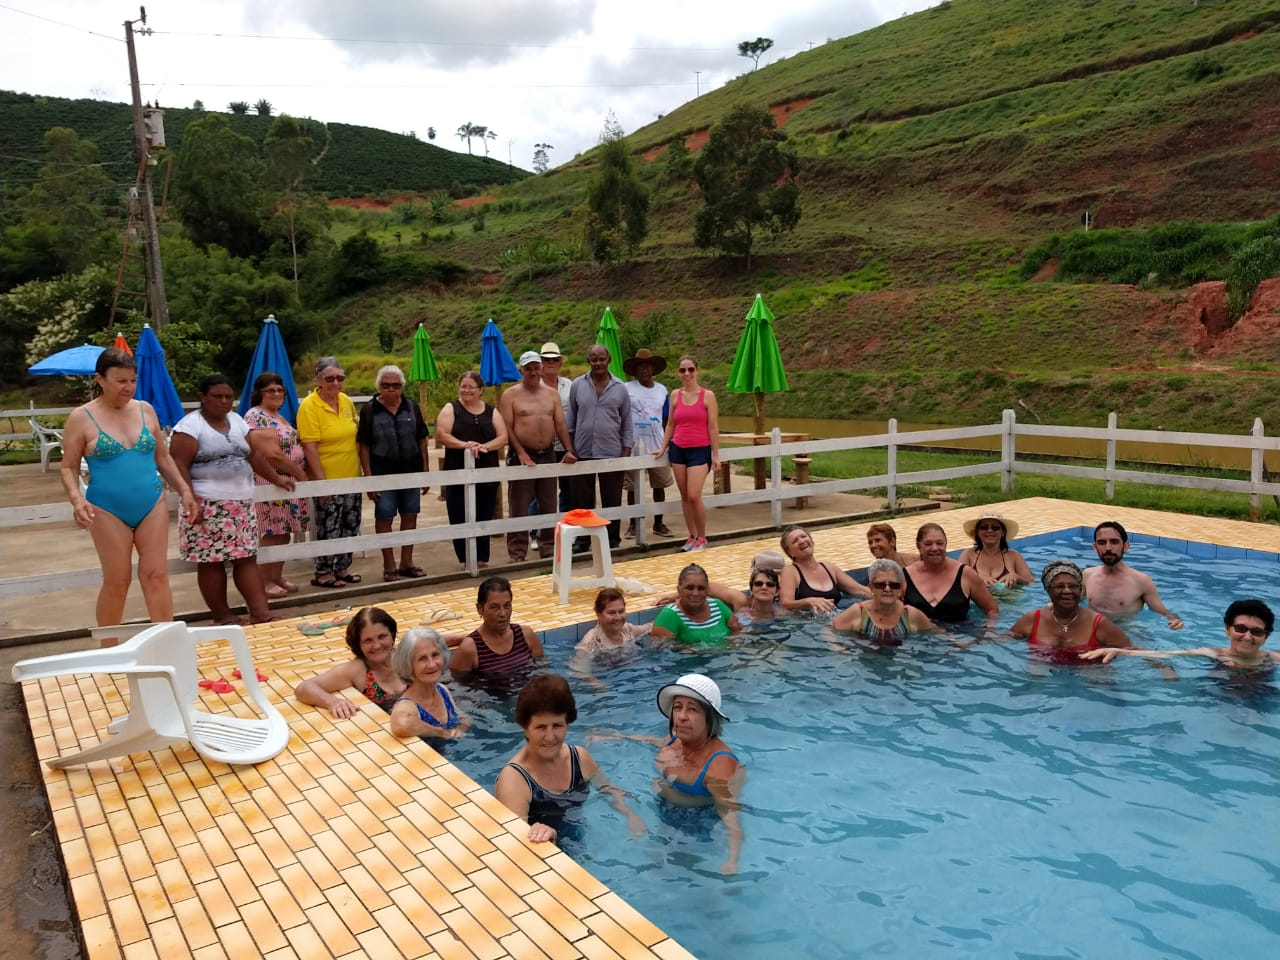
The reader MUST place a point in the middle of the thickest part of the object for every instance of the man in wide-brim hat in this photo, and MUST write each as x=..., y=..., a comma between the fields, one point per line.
x=650, y=408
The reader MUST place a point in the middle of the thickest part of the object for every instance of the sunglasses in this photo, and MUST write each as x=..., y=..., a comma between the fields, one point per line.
x=391, y=386
x=763, y=583
x=1241, y=629
x=337, y=378
x=991, y=526
x=273, y=389
x=886, y=585
x=688, y=369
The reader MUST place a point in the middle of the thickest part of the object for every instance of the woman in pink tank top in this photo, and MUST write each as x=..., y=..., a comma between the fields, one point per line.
x=693, y=442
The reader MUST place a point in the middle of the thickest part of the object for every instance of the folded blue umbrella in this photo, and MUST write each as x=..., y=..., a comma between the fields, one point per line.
x=271, y=355
x=81, y=361
x=154, y=383
x=496, y=365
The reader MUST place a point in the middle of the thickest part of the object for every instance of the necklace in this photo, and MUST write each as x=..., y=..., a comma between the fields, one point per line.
x=1065, y=626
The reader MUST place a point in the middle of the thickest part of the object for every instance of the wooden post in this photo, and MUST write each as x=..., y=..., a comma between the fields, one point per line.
x=758, y=430
x=1112, y=421
x=469, y=506
x=892, y=467
x=802, y=477
x=775, y=457
x=1007, y=451
x=1256, y=471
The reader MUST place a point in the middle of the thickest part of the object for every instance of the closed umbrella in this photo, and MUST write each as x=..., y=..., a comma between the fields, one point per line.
x=270, y=354
x=422, y=369
x=79, y=361
x=122, y=344
x=607, y=334
x=154, y=383
x=757, y=364
x=496, y=365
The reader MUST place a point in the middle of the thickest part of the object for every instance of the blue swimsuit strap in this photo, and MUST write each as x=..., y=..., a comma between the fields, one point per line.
x=697, y=788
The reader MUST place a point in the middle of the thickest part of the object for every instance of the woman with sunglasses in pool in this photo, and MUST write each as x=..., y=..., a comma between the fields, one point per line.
x=1062, y=630
x=990, y=555
x=884, y=619
x=692, y=439
x=1248, y=623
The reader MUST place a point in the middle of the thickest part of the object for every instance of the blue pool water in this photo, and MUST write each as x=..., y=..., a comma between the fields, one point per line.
x=938, y=802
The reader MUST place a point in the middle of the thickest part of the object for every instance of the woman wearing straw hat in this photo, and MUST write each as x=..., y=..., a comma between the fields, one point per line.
x=990, y=555
x=696, y=767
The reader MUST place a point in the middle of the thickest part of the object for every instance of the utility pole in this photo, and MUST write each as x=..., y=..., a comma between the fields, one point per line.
x=697, y=79
x=155, y=271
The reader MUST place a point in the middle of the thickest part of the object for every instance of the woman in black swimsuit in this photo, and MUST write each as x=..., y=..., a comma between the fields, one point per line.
x=809, y=584
x=941, y=587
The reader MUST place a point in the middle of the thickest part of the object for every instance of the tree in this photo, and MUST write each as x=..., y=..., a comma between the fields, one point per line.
x=541, y=157
x=238, y=106
x=468, y=131
x=431, y=133
x=198, y=105
x=617, y=203
x=288, y=153
x=488, y=135
x=753, y=50
x=263, y=107
x=217, y=187
x=747, y=178
x=678, y=166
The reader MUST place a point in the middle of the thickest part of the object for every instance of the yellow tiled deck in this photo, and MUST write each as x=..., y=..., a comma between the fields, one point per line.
x=351, y=843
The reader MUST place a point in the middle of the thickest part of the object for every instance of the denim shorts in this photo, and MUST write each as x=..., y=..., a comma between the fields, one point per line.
x=404, y=502
x=689, y=456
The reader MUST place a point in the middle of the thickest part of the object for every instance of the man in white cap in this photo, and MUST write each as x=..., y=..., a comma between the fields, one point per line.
x=535, y=419
x=650, y=406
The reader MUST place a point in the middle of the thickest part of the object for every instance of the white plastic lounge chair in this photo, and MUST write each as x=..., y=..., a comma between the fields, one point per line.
x=49, y=440
x=160, y=663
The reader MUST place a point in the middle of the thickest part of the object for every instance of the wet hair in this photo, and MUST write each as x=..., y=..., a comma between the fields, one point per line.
x=472, y=375
x=1114, y=525
x=402, y=659
x=1250, y=608
x=364, y=618
x=112, y=357
x=692, y=568
x=1055, y=568
x=384, y=370
x=715, y=722
x=885, y=530
x=265, y=379
x=884, y=565
x=545, y=693
x=768, y=560
x=324, y=363
x=492, y=585
x=786, y=532
x=925, y=528
x=211, y=381
x=607, y=596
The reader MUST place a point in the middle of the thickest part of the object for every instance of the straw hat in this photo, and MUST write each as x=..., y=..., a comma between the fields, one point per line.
x=696, y=687
x=551, y=351
x=1010, y=526
x=644, y=356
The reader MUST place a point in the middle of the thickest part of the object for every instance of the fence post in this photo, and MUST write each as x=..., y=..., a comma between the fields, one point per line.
x=1112, y=421
x=469, y=506
x=1007, y=450
x=640, y=487
x=775, y=466
x=892, y=466
x=1255, y=471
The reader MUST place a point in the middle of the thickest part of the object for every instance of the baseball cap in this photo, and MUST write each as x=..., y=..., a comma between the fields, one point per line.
x=551, y=350
x=528, y=357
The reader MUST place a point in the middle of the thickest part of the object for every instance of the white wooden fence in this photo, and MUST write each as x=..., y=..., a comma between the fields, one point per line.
x=775, y=492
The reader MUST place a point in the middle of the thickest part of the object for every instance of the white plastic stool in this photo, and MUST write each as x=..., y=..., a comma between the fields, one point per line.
x=562, y=577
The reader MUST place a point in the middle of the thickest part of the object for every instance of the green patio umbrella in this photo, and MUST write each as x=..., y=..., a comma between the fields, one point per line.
x=757, y=364
x=423, y=367
x=608, y=335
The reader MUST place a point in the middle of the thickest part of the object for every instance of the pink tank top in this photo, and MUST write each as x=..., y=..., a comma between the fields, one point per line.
x=691, y=421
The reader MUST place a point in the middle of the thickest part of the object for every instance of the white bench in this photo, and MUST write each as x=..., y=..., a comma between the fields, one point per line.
x=50, y=439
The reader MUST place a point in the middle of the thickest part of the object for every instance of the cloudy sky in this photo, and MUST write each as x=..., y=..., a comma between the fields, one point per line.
x=532, y=72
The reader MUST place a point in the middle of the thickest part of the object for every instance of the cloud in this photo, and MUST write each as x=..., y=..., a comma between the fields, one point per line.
x=453, y=34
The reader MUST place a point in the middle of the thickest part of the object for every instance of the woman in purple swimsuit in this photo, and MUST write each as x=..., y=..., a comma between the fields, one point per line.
x=371, y=636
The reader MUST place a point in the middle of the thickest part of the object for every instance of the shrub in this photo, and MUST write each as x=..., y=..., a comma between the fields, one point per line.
x=1252, y=263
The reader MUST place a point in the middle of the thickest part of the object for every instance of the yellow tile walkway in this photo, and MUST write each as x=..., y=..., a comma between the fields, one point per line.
x=351, y=843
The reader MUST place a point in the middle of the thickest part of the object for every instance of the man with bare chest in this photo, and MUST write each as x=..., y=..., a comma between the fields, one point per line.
x=1115, y=588
x=535, y=420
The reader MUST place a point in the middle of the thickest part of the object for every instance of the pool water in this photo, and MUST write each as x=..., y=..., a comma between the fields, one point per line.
x=930, y=801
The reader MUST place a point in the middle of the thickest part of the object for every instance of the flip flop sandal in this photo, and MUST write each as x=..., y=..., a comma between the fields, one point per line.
x=275, y=591
x=335, y=582
x=390, y=576
x=412, y=572
x=262, y=677
x=217, y=686
x=347, y=577
x=316, y=628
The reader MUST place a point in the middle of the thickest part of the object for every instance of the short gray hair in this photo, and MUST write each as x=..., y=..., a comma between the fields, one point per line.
x=884, y=565
x=324, y=363
x=402, y=659
x=389, y=368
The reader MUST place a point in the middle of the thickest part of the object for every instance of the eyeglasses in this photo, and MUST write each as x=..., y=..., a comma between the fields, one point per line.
x=991, y=526
x=886, y=585
x=763, y=583
x=391, y=386
x=688, y=369
x=273, y=389
x=1242, y=629
x=336, y=378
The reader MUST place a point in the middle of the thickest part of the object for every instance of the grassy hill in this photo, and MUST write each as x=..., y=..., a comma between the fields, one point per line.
x=353, y=161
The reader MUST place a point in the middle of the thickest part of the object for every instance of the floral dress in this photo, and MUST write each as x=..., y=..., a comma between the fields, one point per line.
x=277, y=517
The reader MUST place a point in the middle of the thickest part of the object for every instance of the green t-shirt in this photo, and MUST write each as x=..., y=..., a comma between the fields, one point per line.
x=710, y=633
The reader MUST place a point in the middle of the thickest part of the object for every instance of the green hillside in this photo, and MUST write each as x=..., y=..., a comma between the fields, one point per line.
x=353, y=161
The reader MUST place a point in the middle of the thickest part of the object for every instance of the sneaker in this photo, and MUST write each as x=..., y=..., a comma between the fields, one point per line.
x=699, y=544
x=689, y=545
x=533, y=542
x=662, y=530
x=631, y=532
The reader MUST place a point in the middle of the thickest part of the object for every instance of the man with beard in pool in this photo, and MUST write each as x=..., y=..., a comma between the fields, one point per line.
x=1115, y=588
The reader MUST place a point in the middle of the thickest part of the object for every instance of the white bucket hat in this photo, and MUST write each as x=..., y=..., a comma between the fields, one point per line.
x=695, y=686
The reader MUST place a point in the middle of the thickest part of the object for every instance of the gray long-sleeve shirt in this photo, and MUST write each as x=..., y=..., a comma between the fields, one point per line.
x=600, y=422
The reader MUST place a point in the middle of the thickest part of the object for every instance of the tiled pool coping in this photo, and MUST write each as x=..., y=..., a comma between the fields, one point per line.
x=354, y=844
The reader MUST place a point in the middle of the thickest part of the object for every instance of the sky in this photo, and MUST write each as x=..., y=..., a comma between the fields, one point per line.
x=532, y=72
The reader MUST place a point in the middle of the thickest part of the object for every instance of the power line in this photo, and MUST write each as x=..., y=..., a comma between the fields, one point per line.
x=58, y=23
x=415, y=86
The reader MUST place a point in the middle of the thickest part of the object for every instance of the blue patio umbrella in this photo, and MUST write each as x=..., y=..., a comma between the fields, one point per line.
x=496, y=365
x=72, y=362
x=270, y=354
x=154, y=383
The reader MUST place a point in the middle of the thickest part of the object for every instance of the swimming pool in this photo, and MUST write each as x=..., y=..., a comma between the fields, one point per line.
x=936, y=802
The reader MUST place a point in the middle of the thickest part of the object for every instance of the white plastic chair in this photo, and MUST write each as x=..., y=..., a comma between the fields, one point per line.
x=49, y=440
x=562, y=578
x=160, y=663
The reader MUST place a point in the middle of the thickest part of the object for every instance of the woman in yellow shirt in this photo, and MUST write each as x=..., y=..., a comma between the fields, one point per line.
x=327, y=428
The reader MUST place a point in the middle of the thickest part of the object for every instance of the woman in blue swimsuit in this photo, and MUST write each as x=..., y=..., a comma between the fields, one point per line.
x=123, y=508
x=426, y=708
x=696, y=767
x=548, y=778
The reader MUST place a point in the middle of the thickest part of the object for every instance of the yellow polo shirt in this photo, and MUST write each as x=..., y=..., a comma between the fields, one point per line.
x=334, y=434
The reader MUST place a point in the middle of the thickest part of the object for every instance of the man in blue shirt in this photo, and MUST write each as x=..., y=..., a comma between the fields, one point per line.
x=600, y=422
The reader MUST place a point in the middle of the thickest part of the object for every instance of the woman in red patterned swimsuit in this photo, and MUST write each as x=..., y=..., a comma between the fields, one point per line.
x=371, y=635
